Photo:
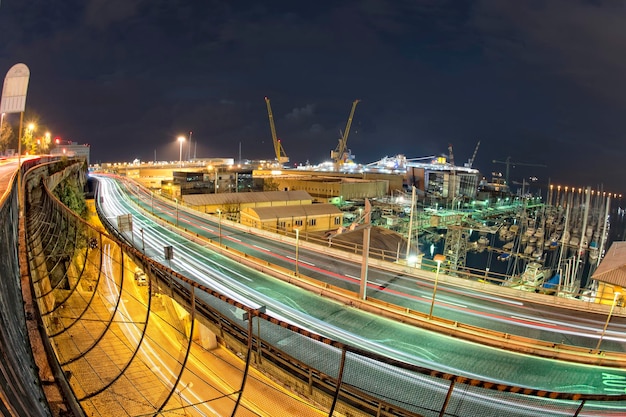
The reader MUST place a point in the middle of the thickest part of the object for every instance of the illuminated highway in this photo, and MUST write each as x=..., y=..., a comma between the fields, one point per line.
x=208, y=373
x=8, y=168
x=351, y=326
x=478, y=308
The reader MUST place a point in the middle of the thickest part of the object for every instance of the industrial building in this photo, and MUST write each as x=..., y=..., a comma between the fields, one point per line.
x=71, y=149
x=305, y=218
x=231, y=204
x=327, y=187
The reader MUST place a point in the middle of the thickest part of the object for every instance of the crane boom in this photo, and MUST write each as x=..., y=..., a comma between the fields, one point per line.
x=281, y=156
x=471, y=161
x=509, y=163
x=339, y=155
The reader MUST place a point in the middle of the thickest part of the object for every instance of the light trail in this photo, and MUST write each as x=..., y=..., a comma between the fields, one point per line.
x=147, y=351
x=218, y=275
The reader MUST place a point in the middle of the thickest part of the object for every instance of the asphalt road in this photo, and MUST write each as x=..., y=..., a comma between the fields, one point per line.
x=354, y=327
x=510, y=315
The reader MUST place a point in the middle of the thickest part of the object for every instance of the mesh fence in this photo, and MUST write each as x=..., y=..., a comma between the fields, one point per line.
x=136, y=338
x=20, y=394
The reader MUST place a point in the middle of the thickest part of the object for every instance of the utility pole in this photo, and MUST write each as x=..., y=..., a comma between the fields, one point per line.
x=189, y=148
x=408, y=241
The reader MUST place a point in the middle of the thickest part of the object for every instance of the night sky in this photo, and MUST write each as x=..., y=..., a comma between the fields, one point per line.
x=539, y=81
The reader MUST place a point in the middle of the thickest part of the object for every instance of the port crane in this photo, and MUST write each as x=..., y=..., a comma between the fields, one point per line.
x=341, y=154
x=470, y=162
x=281, y=156
x=508, y=164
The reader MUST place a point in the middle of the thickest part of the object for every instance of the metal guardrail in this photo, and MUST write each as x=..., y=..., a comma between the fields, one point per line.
x=21, y=391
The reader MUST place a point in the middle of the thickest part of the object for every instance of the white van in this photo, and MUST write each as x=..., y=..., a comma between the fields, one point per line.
x=140, y=277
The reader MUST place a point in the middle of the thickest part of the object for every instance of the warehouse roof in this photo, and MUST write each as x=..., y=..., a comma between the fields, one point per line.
x=612, y=268
x=305, y=210
x=251, y=197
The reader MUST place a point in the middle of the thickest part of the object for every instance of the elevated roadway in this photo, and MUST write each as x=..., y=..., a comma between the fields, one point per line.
x=546, y=318
x=390, y=338
x=201, y=261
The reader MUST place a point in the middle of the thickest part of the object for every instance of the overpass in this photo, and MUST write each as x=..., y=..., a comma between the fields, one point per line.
x=123, y=348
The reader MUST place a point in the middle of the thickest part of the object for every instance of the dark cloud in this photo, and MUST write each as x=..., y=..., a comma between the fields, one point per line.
x=569, y=53
x=580, y=41
x=538, y=81
x=303, y=113
x=101, y=14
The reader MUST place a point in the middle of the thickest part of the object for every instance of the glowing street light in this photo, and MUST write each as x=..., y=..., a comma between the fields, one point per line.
x=438, y=258
x=181, y=139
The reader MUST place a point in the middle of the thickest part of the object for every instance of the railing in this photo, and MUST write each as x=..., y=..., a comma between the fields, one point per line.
x=131, y=349
x=21, y=391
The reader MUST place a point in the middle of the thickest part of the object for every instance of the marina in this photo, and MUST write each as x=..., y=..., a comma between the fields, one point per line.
x=551, y=247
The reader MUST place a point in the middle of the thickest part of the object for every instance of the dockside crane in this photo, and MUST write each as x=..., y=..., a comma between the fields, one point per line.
x=470, y=162
x=279, y=151
x=340, y=154
x=508, y=164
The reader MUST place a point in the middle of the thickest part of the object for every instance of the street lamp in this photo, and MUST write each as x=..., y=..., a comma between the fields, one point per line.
x=297, y=244
x=181, y=139
x=608, y=318
x=438, y=258
x=143, y=242
x=219, y=213
x=176, y=211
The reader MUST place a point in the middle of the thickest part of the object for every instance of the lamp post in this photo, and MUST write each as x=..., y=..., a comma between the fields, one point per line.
x=297, y=244
x=176, y=200
x=219, y=225
x=181, y=139
x=438, y=258
x=608, y=318
x=143, y=242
